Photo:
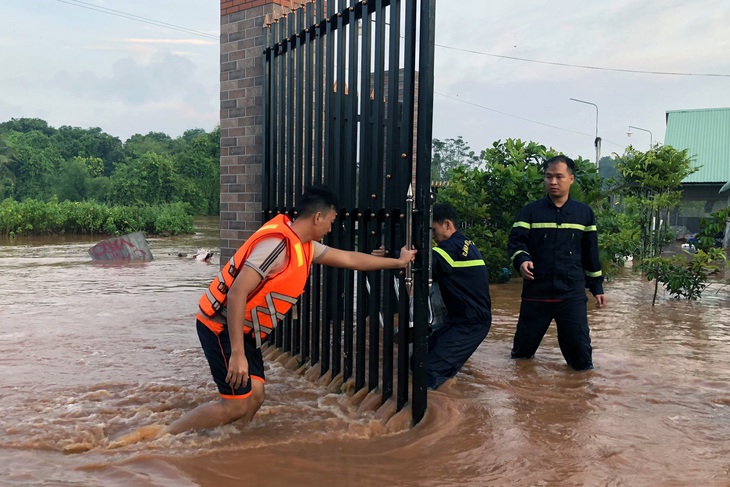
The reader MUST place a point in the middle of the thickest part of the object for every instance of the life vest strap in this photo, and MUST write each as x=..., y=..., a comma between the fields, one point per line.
x=222, y=286
x=214, y=303
x=232, y=270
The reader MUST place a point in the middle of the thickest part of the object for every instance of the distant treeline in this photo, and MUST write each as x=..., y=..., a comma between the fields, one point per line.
x=40, y=164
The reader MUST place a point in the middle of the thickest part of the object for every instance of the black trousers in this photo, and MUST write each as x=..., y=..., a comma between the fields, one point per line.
x=450, y=347
x=571, y=318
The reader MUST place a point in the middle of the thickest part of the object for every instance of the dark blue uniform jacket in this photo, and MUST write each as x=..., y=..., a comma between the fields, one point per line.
x=459, y=269
x=562, y=243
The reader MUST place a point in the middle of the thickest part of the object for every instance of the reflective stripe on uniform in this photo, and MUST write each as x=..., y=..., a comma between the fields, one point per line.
x=460, y=263
x=512, y=259
x=561, y=226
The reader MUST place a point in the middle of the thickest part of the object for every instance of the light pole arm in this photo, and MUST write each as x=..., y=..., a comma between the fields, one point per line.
x=651, y=137
x=597, y=141
x=589, y=103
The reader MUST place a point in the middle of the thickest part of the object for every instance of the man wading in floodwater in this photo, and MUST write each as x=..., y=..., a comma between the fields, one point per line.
x=554, y=245
x=242, y=305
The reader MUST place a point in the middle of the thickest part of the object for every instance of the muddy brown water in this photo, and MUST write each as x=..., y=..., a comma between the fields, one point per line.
x=89, y=352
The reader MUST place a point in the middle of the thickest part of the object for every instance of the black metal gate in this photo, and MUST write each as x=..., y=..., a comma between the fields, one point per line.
x=348, y=96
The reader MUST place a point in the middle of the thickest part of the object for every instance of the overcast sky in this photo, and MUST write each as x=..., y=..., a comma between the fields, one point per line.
x=69, y=64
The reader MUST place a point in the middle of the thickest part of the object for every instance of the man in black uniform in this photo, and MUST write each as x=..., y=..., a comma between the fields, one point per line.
x=462, y=276
x=554, y=245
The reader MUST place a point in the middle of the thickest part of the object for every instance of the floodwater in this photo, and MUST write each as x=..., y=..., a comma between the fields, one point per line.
x=89, y=352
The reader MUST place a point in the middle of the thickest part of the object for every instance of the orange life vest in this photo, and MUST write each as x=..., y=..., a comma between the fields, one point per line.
x=274, y=296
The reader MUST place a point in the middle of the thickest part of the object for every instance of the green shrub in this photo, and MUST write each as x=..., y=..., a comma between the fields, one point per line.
x=34, y=217
x=684, y=275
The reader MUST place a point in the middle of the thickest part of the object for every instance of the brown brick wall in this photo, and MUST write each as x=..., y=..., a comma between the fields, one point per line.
x=229, y=7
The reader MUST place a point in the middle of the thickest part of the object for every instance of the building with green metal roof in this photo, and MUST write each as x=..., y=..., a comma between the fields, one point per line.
x=706, y=135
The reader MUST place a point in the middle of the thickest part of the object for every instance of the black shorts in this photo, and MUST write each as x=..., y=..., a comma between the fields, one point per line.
x=217, y=349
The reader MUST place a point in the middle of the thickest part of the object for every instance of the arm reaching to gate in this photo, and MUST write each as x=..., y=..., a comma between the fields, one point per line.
x=361, y=261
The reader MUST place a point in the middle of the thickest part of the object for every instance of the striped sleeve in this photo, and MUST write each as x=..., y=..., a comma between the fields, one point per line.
x=268, y=256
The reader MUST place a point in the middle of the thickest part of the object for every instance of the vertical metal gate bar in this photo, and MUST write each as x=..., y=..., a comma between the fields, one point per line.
x=266, y=172
x=350, y=179
x=283, y=335
x=388, y=310
x=310, y=43
x=320, y=28
x=395, y=191
x=329, y=274
x=375, y=311
x=365, y=212
x=273, y=141
x=281, y=98
x=298, y=167
x=347, y=321
x=318, y=172
x=407, y=143
x=299, y=40
x=393, y=196
x=375, y=185
x=423, y=201
x=404, y=332
x=340, y=90
x=290, y=121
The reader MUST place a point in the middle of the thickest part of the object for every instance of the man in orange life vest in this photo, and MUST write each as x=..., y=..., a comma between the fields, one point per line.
x=254, y=289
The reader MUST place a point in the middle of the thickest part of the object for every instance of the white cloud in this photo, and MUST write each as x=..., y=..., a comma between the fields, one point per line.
x=195, y=42
x=79, y=67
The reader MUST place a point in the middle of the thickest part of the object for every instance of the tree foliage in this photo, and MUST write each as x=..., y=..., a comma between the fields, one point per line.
x=449, y=154
x=41, y=162
x=686, y=275
x=649, y=186
x=34, y=217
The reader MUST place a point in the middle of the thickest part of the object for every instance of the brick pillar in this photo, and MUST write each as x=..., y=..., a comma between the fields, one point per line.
x=241, y=121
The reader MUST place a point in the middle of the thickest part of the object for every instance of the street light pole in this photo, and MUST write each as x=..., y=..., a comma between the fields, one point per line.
x=596, y=142
x=651, y=138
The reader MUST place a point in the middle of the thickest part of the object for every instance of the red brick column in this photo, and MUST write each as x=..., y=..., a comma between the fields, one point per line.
x=241, y=116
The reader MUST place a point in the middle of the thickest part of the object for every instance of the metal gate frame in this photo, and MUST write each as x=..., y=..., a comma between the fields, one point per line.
x=327, y=66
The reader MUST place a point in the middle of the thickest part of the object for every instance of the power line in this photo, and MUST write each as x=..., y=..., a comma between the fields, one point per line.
x=524, y=119
x=580, y=66
x=119, y=13
x=125, y=15
x=583, y=66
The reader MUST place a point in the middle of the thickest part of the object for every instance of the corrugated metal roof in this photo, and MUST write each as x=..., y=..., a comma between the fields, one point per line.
x=706, y=133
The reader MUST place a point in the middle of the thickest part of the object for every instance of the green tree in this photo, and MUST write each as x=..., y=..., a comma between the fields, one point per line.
x=649, y=184
x=198, y=164
x=38, y=161
x=35, y=160
x=89, y=143
x=151, y=179
x=684, y=276
x=7, y=177
x=155, y=142
x=448, y=155
x=25, y=125
x=71, y=181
